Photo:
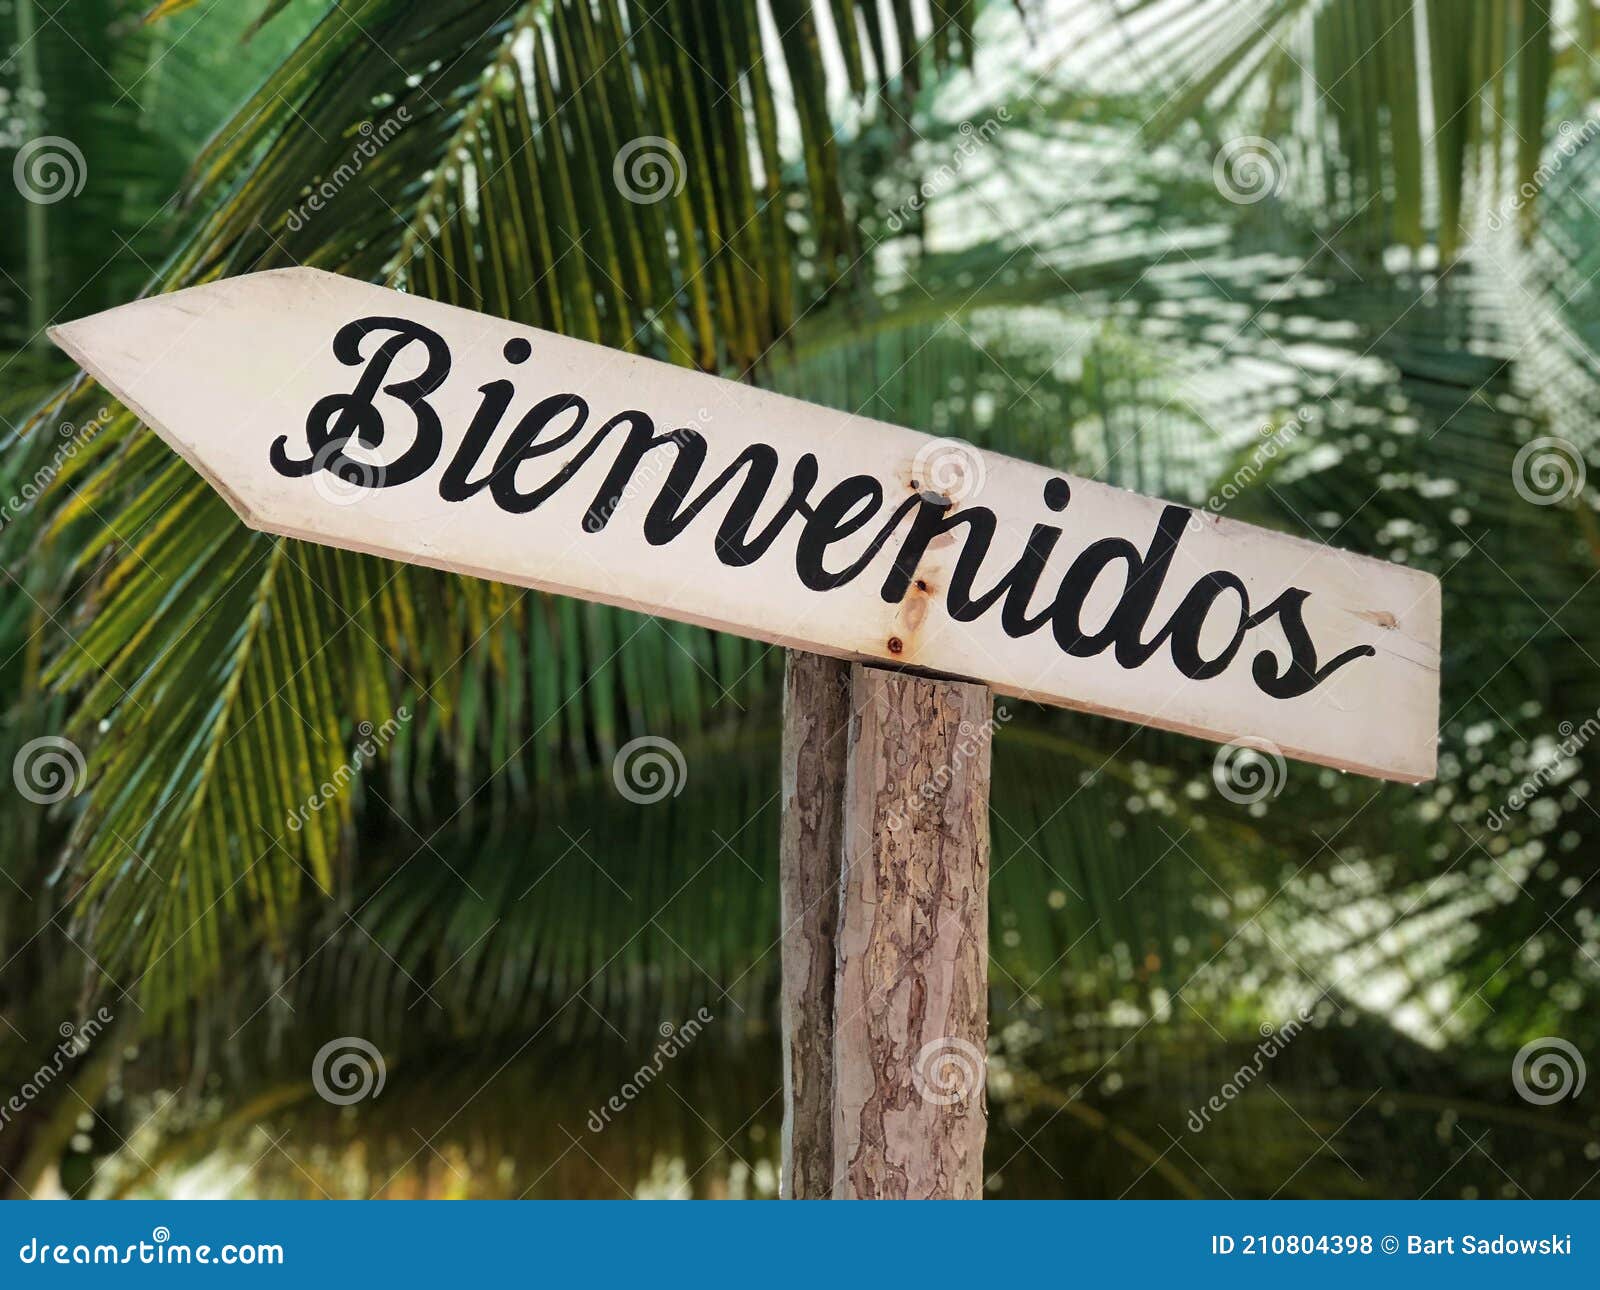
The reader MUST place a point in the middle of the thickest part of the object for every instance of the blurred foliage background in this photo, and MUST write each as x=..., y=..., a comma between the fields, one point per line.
x=1133, y=239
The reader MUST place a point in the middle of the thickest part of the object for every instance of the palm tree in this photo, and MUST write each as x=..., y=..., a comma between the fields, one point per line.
x=1142, y=240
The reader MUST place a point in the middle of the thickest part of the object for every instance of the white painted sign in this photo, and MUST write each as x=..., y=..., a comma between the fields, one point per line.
x=339, y=412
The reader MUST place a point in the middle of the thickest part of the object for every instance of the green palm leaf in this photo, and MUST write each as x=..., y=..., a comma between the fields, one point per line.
x=484, y=177
x=1389, y=110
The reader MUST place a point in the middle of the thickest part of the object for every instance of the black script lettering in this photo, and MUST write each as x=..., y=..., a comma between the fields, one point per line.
x=672, y=511
x=524, y=445
x=1189, y=620
x=735, y=545
x=1075, y=587
x=847, y=510
x=844, y=509
x=1128, y=619
x=455, y=486
x=1017, y=585
x=1301, y=674
x=333, y=420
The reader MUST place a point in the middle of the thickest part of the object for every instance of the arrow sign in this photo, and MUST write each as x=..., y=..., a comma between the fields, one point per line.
x=338, y=412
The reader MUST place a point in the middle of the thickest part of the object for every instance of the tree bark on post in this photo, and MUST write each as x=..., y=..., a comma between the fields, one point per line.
x=911, y=1013
x=816, y=719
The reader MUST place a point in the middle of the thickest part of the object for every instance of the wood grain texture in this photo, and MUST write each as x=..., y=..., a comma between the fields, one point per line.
x=816, y=728
x=911, y=998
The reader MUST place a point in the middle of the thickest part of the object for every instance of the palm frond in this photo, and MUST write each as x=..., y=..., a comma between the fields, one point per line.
x=1388, y=113
x=480, y=156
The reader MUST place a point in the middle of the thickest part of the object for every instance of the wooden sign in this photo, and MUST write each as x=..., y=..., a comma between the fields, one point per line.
x=339, y=412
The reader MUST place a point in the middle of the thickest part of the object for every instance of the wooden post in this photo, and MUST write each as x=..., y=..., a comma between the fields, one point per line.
x=911, y=993
x=816, y=719
x=884, y=878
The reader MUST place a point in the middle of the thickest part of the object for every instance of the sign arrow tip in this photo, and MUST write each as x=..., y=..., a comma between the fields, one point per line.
x=137, y=353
